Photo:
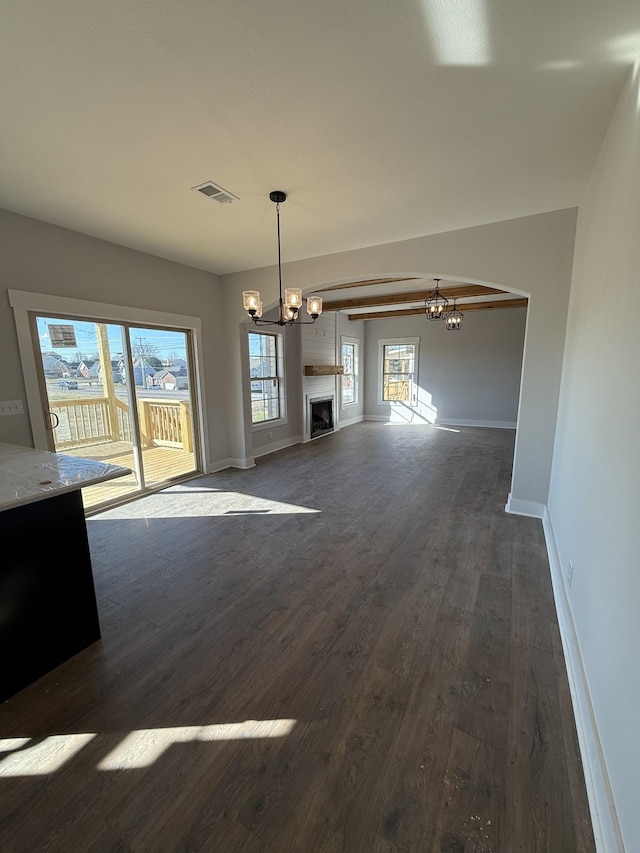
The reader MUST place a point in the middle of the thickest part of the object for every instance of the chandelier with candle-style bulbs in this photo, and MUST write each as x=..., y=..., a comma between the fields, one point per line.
x=453, y=320
x=290, y=304
x=436, y=307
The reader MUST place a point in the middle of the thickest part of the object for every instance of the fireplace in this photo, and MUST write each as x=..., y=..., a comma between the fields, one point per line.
x=320, y=416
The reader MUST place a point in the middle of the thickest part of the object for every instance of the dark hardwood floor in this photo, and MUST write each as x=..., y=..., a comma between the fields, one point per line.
x=367, y=594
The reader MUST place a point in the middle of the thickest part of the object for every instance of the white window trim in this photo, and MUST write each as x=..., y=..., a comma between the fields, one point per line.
x=355, y=342
x=26, y=302
x=382, y=342
x=282, y=420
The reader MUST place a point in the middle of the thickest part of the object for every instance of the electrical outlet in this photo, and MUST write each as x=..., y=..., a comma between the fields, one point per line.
x=570, y=573
x=270, y=435
x=11, y=407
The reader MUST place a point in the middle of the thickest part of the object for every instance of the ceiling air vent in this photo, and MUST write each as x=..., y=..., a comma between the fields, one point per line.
x=215, y=192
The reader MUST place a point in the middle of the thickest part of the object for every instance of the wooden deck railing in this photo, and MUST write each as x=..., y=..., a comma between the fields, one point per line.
x=401, y=390
x=164, y=423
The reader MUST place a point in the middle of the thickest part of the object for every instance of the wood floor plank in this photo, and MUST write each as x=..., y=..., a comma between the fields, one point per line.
x=486, y=704
x=531, y=601
x=472, y=811
x=224, y=834
x=499, y=556
x=539, y=811
x=345, y=774
x=407, y=809
x=574, y=766
x=365, y=600
x=406, y=644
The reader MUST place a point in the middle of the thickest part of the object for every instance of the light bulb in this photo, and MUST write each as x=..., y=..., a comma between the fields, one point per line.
x=293, y=297
x=251, y=300
x=314, y=305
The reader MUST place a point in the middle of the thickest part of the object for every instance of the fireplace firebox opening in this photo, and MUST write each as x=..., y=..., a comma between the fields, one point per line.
x=321, y=416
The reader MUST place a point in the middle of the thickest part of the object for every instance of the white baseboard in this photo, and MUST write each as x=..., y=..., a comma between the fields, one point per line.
x=220, y=465
x=385, y=419
x=487, y=424
x=516, y=506
x=277, y=445
x=604, y=818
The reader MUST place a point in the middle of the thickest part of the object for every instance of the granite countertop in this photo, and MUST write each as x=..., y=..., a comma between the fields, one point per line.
x=28, y=475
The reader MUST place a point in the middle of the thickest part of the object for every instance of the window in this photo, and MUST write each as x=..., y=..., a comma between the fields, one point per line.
x=265, y=371
x=399, y=370
x=107, y=337
x=349, y=383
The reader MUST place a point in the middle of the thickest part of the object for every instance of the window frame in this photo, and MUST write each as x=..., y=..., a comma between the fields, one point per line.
x=269, y=423
x=345, y=340
x=25, y=303
x=384, y=342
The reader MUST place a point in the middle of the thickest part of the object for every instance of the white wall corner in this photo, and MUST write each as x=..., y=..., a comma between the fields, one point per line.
x=516, y=506
x=604, y=818
x=247, y=462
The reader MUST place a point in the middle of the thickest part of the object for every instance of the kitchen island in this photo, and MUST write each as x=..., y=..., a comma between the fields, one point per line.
x=48, y=610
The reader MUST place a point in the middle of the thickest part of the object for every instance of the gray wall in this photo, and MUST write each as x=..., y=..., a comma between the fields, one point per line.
x=469, y=376
x=42, y=258
x=594, y=500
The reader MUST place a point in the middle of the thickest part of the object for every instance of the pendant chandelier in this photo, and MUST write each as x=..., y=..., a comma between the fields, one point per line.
x=436, y=305
x=454, y=318
x=291, y=303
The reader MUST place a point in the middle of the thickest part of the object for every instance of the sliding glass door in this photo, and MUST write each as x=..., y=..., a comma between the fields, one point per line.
x=121, y=394
x=163, y=395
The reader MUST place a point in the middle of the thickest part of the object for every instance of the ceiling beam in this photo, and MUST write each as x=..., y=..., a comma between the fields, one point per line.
x=364, y=283
x=471, y=306
x=459, y=292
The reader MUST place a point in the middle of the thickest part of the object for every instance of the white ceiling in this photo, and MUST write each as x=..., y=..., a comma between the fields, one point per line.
x=381, y=119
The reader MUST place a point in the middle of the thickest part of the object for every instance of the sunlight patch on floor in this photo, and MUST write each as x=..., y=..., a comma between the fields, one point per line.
x=143, y=747
x=139, y=748
x=217, y=503
x=44, y=757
